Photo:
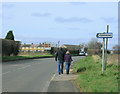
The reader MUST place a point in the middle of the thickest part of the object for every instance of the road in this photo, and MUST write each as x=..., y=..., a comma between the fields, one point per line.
x=33, y=75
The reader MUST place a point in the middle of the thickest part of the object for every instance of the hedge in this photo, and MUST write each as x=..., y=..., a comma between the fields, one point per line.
x=10, y=47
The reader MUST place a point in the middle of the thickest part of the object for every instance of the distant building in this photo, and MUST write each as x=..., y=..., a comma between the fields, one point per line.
x=72, y=47
x=32, y=47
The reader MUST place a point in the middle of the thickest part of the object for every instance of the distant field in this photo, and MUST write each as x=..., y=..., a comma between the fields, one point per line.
x=10, y=58
x=90, y=78
x=31, y=53
x=28, y=55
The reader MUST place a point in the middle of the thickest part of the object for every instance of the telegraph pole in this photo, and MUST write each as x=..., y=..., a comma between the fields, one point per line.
x=58, y=43
x=106, y=49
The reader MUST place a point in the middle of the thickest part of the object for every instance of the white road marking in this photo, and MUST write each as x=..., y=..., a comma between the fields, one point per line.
x=47, y=84
x=24, y=67
x=6, y=72
x=53, y=77
x=15, y=70
x=19, y=68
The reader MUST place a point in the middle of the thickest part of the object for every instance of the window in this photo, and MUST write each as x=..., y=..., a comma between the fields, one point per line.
x=26, y=47
x=22, y=47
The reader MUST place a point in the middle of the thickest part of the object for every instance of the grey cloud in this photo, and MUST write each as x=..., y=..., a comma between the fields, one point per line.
x=73, y=19
x=41, y=15
x=109, y=19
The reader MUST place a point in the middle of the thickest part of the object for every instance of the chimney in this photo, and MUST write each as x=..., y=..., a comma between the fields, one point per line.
x=24, y=44
x=32, y=43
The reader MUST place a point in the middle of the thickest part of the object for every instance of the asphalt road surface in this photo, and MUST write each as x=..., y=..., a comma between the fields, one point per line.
x=33, y=75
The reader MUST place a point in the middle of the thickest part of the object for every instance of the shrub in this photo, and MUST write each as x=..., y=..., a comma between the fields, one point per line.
x=53, y=50
x=94, y=52
x=74, y=52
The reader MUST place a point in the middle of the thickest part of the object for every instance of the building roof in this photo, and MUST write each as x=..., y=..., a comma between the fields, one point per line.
x=41, y=45
x=32, y=45
x=26, y=45
x=71, y=45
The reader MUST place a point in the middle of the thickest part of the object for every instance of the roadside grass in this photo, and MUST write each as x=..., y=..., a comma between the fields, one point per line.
x=9, y=58
x=90, y=78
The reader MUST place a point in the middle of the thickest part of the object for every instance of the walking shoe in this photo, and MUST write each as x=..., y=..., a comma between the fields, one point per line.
x=67, y=72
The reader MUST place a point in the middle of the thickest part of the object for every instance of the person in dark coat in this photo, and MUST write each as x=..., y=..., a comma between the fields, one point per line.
x=60, y=58
x=68, y=60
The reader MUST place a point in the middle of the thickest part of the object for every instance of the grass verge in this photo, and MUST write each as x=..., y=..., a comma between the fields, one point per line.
x=11, y=58
x=90, y=78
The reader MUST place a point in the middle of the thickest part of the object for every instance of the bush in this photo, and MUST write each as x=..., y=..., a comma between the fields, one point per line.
x=16, y=48
x=53, y=50
x=94, y=52
x=74, y=52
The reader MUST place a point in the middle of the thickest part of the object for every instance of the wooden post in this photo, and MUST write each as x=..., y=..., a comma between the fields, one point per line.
x=58, y=43
x=103, y=55
x=106, y=49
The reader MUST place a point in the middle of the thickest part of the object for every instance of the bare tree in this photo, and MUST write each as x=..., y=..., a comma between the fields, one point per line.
x=94, y=47
x=94, y=44
x=116, y=49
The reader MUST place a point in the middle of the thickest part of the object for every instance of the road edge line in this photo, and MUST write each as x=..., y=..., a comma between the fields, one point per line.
x=48, y=84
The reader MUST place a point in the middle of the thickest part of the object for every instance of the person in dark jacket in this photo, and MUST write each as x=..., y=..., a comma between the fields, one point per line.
x=60, y=58
x=68, y=60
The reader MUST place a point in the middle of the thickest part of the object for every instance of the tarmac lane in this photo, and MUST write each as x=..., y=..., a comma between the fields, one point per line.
x=28, y=76
x=33, y=75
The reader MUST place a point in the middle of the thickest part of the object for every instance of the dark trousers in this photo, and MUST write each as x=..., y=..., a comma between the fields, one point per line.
x=60, y=66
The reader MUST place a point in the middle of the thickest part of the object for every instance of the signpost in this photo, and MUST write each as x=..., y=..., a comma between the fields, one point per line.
x=104, y=35
x=47, y=45
x=106, y=49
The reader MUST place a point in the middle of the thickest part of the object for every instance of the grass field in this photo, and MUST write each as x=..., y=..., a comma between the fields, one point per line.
x=9, y=58
x=28, y=55
x=90, y=77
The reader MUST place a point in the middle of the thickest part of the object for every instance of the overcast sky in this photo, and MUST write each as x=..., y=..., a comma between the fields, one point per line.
x=67, y=22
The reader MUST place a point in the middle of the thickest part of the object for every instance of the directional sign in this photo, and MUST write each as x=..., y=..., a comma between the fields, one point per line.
x=104, y=35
